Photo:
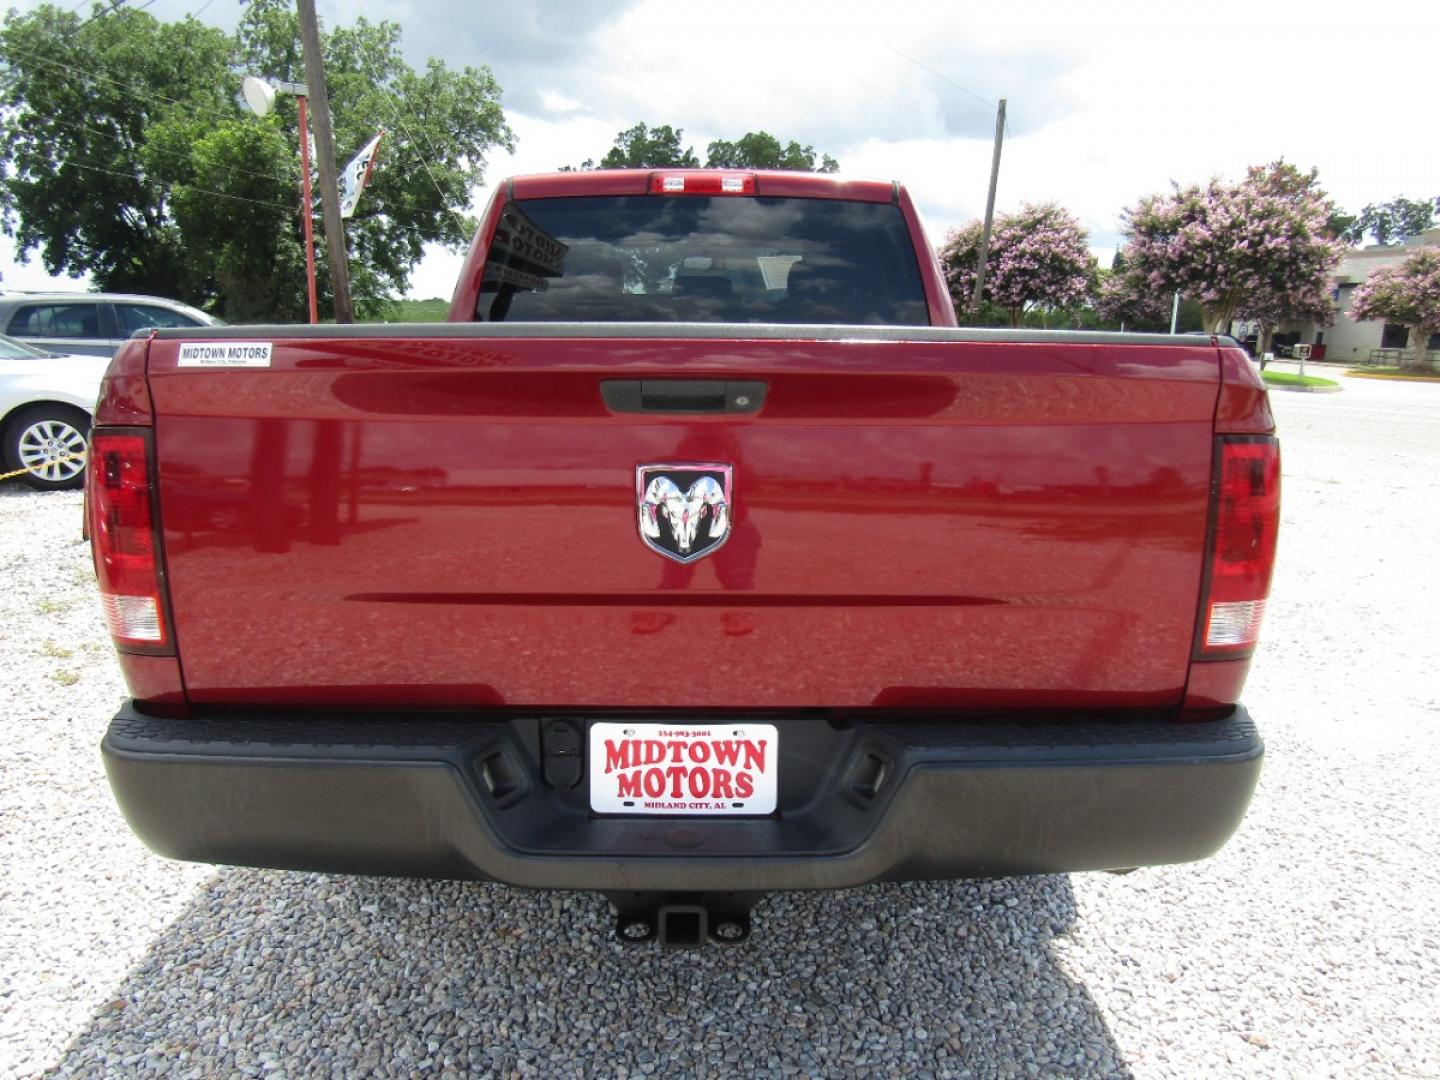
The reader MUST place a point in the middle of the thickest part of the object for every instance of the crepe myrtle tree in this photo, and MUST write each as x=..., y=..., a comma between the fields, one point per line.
x=1039, y=258
x=1123, y=298
x=1408, y=294
x=1269, y=312
x=1268, y=236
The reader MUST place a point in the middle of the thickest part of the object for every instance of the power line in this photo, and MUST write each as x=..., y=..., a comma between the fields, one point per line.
x=158, y=182
x=424, y=164
x=129, y=89
x=104, y=11
x=196, y=109
x=111, y=8
x=942, y=78
x=177, y=154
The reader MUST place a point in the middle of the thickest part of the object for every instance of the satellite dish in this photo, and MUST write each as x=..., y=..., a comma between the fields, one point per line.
x=259, y=95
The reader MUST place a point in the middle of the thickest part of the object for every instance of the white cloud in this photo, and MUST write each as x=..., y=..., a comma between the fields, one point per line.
x=555, y=102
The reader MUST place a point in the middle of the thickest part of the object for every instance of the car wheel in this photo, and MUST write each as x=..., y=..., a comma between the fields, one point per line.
x=49, y=442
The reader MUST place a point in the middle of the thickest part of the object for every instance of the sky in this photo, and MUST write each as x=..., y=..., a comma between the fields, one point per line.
x=1106, y=102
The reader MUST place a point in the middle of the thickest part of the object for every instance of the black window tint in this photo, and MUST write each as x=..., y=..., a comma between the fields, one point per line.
x=147, y=316
x=638, y=258
x=1394, y=336
x=56, y=321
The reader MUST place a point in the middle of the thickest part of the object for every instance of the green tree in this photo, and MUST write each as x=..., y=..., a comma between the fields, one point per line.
x=644, y=147
x=1339, y=225
x=249, y=253
x=131, y=158
x=77, y=100
x=761, y=150
x=1392, y=222
x=662, y=147
x=439, y=127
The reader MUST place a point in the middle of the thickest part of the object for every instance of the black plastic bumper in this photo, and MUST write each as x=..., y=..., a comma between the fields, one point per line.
x=453, y=796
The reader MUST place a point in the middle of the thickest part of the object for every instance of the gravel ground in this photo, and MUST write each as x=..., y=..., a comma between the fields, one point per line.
x=1307, y=947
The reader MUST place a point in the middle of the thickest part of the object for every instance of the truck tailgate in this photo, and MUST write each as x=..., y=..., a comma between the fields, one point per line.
x=447, y=516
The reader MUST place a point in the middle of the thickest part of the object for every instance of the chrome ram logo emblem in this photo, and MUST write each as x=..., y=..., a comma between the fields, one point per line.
x=684, y=510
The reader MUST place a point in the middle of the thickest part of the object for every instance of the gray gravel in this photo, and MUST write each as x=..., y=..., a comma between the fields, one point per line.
x=1308, y=947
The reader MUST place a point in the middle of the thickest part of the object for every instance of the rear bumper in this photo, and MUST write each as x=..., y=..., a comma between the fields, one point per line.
x=450, y=796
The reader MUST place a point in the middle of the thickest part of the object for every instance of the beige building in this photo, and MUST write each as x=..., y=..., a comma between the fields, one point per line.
x=1349, y=341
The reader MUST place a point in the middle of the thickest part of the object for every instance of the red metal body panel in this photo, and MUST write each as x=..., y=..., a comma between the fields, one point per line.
x=1244, y=405
x=124, y=398
x=451, y=521
x=937, y=295
x=467, y=285
x=153, y=679
x=1215, y=685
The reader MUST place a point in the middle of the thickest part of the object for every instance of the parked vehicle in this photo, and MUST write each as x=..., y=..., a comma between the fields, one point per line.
x=92, y=324
x=46, y=401
x=700, y=555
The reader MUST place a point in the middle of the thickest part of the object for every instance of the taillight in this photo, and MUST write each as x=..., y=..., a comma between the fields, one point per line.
x=1245, y=513
x=702, y=184
x=123, y=537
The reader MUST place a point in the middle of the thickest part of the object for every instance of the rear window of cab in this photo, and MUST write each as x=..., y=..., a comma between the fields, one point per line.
x=646, y=258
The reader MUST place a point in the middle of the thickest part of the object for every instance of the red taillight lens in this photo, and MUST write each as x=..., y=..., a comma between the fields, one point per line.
x=702, y=184
x=1246, y=515
x=122, y=536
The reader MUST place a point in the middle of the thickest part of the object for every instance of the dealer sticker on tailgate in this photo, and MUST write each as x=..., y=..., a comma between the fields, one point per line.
x=664, y=769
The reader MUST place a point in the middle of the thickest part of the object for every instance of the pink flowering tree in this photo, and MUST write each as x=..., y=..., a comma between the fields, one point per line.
x=1408, y=294
x=1038, y=258
x=1228, y=244
x=1270, y=311
x=1124, y=299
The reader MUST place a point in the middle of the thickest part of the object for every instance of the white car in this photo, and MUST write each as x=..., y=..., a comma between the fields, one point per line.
x=91, y=324
x=47, y=401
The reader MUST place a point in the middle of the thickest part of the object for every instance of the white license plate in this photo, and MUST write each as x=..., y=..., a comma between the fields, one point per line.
x=703, y=769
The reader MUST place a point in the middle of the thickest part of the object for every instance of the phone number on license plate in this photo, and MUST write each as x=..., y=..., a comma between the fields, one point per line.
x=665, y=769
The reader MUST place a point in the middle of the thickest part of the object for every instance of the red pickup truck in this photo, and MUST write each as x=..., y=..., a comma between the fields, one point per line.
x=698, y=555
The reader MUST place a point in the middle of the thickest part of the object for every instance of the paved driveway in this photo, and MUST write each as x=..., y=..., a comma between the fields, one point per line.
x=1308, y=947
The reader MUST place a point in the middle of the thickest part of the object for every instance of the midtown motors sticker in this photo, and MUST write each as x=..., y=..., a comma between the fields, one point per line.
x=668, y=769
x=225, y=354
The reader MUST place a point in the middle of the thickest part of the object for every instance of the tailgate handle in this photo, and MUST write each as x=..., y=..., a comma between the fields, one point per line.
x=683, y=395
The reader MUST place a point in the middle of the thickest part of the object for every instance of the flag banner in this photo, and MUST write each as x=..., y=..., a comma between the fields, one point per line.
x=355, y=175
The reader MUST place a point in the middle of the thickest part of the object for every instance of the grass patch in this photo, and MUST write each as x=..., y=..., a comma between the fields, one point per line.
x=66, y=677
x=433, y=310
x=52, y=607
x=1286, y=378
x=60, y=652
x=1402, y=374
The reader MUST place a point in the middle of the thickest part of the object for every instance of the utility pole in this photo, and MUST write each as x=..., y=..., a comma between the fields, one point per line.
x=260, y=97
x=989, y=211
x=1175, y=312
x=325, y=152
